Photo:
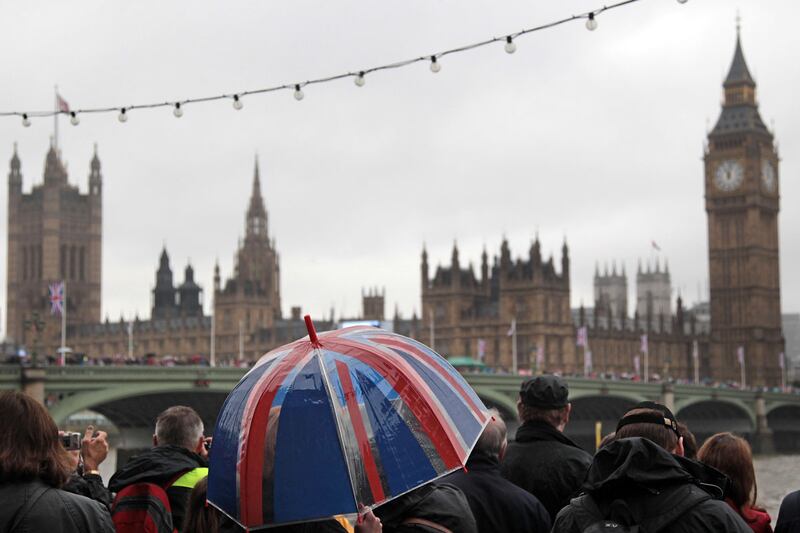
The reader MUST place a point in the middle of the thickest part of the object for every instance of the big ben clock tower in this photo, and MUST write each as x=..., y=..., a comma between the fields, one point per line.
x=742, y=203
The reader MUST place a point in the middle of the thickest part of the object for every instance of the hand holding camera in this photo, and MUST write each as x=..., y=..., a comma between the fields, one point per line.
x=94, y=449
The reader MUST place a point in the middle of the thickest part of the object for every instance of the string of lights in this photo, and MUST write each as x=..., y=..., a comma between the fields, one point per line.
x=359, y=76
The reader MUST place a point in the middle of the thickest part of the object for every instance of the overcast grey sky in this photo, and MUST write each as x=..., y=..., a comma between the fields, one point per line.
x=596, y=136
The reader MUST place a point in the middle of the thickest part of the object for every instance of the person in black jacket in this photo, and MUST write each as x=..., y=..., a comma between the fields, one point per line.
x=641, y=479
x=177, y=461
x=543, y=460
x=789, y=514
x=85, y=478
x=33, y=468
x=496, y=503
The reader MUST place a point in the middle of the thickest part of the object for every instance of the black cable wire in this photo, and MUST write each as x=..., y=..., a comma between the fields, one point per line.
x=291, y=86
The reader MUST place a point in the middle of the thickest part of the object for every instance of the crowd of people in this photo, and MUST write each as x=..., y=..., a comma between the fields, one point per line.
x=647, y=476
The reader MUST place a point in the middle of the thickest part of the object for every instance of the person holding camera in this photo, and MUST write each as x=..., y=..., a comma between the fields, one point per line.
x=34, y=466
x=87, y=453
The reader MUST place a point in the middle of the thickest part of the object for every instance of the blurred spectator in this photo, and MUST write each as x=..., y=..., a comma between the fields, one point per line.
x=732, y=456
x=177, y=461
x=543, y=460
x=430, y=508
x=496, y=503
x=789, y=514
x=33, y=468
x=689, y=442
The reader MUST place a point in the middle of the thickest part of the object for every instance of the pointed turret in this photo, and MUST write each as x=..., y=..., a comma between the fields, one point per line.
x=424, y=268
x=256, y=212
x=54, y=170
x=164, y=304
x=95, y=177
x=740, y=109
x=217, y=279
x=14, y=174
x=565, y=259
x=484, y=266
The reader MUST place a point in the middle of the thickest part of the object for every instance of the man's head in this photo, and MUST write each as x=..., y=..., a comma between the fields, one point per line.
x=656, y=423
x=544, y=399
x=180, y=426
x=493, y=440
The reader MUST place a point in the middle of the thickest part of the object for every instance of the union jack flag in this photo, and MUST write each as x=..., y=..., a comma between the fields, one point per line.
x=57, y=298
x=63, y=106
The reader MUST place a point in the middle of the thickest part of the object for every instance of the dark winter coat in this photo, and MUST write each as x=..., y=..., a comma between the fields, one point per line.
x=91, y=486
x=161, y=465
x=636, y=482
x=546, y=463
x=789, y=514
x=442, y=504
x=32, y=506
x=496, y=503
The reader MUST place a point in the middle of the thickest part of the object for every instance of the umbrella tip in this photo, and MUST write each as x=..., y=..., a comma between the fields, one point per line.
x=312, y=332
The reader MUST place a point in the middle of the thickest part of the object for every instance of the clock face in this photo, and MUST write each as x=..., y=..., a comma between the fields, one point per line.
x=768, y=176
x=729, y=175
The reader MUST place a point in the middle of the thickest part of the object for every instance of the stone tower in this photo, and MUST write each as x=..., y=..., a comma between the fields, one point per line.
x=742, y=204
x=251, y=299
x=611, y=291
x=54, y=234
x=653, y=292
x=164, y=300
x=372, y=302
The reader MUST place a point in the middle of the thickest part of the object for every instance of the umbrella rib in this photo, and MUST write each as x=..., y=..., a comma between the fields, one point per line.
x=339, y=429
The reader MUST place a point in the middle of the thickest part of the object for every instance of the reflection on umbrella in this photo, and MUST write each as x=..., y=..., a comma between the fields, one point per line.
x=355, y=416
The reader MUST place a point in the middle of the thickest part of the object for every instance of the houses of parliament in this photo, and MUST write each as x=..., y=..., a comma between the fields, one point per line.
x=54, y=233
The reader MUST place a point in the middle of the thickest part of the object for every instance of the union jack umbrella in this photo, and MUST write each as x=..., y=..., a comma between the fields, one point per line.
x=325, y=424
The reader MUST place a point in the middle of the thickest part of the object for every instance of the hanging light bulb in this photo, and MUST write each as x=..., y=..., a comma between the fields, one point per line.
x=511, y=47
x=74, y=120
x=25, y=120
x=682, y=1
x=298, y=94
x=123, y=116
x=237, y=102
x=591, y=24
x=178, y=112
x=359, y=80
x=435, y=66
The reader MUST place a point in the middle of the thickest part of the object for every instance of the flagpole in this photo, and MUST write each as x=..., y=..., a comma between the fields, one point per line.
x=64, y=324
x=212, y=359
x=241, y=341
x=433, y=329
x=782, y=360
x=646, y=359
x=514, y=347
x=55, y=121
x=696, y=358
x=741, y=364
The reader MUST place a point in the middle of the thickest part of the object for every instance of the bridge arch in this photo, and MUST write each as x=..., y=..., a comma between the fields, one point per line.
x=133, y=403
x=784, y=421
x=505, y=405
x=705, y=417
x=588, y=409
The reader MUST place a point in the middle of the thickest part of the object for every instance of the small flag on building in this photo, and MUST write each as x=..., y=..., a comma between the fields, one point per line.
x=481, y=349
x=513, y=329
x=583, y=337
x=63, y=106
x=740, y=355
x=57, y=298
x=645, y=347
x=655, y=246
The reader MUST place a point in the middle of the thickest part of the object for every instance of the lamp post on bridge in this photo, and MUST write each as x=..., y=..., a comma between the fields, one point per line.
x=36, y=324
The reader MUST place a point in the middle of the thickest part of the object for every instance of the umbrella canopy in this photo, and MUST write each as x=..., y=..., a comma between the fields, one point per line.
x=356, y=416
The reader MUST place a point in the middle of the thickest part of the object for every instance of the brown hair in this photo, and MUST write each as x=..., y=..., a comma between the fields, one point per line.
x=29, y=444
x=200, y=517
x=732, y=456
x=660, y=434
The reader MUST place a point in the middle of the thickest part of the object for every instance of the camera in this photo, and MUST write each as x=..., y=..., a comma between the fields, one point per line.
x=70, y=440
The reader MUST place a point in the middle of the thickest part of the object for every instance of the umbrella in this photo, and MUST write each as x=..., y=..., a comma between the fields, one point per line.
x=351, y=417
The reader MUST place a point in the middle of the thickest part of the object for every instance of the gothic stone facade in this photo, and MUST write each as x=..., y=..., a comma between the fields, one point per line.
x=54, y=234
x=467, y=311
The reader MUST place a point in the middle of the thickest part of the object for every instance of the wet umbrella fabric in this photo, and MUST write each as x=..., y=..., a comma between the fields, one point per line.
x=319, y=426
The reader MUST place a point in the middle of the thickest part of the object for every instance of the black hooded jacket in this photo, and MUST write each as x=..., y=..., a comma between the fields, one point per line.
x=496, y=503
x=636, y=482
x=789, y=515
x=442, y=504
x=161, y=465
x=546, y=463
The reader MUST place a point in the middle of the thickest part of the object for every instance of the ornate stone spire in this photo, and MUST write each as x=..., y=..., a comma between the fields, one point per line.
x=256, y=212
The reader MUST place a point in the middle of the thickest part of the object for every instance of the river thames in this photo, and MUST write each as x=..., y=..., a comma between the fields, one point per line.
x=776, y=475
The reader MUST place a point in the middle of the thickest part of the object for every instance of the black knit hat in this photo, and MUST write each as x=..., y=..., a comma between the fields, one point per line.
x=546, y=392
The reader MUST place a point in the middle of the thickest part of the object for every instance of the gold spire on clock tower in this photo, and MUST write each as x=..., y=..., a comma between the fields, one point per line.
x=742, y=203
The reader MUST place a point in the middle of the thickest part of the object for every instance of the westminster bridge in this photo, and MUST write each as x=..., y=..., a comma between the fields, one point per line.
x=131, y=397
